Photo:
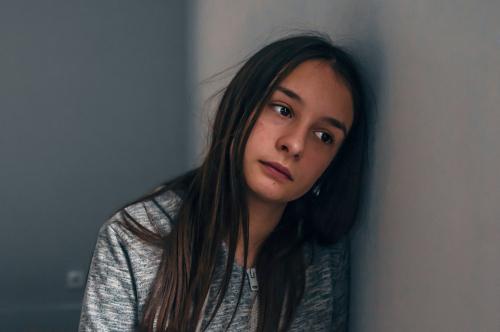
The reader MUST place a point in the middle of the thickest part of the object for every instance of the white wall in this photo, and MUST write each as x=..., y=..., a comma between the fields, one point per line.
x=425, y=255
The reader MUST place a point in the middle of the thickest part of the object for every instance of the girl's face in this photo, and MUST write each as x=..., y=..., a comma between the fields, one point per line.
x=298, y=133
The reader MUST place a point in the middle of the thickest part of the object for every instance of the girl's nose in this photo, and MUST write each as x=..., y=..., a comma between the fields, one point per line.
x=292, y=143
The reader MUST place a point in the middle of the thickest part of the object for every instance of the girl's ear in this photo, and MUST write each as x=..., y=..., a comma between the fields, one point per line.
x=316, y=190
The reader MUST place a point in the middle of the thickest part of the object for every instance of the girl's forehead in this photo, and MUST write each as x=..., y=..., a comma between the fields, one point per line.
x=309, y=71
x=314, y=85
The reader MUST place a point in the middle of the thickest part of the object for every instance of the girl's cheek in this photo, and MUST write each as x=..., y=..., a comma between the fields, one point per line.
x=269, y=117
x=265, y=126
x=258, y=127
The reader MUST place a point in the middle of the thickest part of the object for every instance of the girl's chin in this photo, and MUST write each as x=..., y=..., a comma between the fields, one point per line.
x=271, y=195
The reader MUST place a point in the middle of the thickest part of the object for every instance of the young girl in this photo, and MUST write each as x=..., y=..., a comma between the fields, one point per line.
x=254, y=239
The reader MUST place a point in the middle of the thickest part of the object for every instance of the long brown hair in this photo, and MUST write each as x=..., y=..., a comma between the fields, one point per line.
x=213, y=205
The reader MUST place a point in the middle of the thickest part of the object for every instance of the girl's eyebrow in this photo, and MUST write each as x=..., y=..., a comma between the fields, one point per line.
x=335, y=123
x=290, y=93
x=330, y=120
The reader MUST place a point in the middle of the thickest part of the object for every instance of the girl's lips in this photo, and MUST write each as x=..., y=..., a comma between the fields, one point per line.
x=278, y=169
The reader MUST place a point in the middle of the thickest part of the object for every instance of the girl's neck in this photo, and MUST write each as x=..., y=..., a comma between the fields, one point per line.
x=263, y=217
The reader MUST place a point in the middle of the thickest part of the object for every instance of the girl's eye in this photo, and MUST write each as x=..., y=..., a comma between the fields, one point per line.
x=283, y=110
x=324, y=137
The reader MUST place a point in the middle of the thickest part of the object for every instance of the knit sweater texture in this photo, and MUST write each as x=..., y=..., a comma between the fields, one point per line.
x=123, y=269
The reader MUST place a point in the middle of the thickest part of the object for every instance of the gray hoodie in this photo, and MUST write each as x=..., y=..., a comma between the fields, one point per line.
x=123, y=269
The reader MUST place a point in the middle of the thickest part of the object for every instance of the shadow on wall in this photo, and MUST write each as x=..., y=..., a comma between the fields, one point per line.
x=41, y=318
x=92, y=100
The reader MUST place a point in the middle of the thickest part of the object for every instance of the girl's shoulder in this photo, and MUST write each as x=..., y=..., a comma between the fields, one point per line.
x=123, y=265
x=333, y=256
x=327, y=285
x=155, y=214
x=158, y=213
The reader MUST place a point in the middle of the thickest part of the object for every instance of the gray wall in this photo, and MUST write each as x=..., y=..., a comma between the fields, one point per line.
x=93, y=113
x=425, y=254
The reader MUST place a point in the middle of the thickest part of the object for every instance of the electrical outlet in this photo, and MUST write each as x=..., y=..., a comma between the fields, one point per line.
x=75, y=279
